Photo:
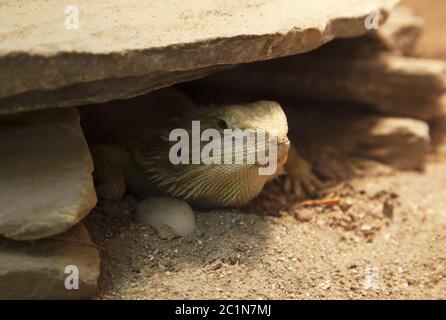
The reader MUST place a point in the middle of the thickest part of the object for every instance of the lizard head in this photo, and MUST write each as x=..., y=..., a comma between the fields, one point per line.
x=262, y=117
x=220, y=183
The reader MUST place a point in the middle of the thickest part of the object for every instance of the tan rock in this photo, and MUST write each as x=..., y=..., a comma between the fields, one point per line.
x=42, y=269
x=399, y=142
x=401, y=31
x=400, y=34
x=122, y=50
x=391, y=84
x=432, y=42
x=45, y=174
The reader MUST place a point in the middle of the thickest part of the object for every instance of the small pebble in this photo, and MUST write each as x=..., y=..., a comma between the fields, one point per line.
x=387, y=208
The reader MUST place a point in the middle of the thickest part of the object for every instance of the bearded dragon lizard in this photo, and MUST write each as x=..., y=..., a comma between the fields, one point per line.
x=133, y=154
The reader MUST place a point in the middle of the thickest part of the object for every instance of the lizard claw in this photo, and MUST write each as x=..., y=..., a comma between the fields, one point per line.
x=300, y=179
x=302, y=183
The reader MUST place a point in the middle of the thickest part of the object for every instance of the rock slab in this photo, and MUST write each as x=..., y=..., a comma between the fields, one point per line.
x=402, y=143
x=46, y=184
x=121, y=50
x=388, y=83
x=402, y=31
x=41, y=269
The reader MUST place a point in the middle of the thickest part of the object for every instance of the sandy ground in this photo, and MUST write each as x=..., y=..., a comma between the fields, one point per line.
x=384, y=239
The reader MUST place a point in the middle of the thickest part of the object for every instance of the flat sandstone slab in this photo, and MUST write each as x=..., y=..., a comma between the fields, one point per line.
x=47, y=269
x=122, y=50
x=46, y=184
x=402, y=143
x=388, y=83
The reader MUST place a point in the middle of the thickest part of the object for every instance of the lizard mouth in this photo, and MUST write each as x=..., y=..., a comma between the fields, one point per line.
x=283, y=147
x=282, y=151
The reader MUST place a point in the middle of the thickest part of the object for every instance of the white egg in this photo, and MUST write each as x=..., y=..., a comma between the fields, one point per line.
x=170, y=217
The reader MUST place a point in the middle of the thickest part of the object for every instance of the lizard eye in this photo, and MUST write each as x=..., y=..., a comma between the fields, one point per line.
x=222, y=124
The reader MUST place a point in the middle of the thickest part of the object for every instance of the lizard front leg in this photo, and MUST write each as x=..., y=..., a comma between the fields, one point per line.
x=299, y=177
x=109, y=177
x=116, y=173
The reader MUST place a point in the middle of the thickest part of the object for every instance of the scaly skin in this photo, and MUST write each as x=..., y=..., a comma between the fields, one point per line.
x=143, y=167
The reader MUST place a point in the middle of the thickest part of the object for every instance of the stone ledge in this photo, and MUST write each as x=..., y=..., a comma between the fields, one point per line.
x=46, y=184
x=37, y=54
x=36, y=270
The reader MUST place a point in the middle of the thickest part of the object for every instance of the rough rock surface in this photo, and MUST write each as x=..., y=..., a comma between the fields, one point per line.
x=45, y=174
x=388, y=83
x=402, y=143
x=402, y=31
x=123, y=50
x=432, y=42
x=37, y=270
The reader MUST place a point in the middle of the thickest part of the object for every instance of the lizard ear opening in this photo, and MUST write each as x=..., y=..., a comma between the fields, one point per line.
x=222, y=124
